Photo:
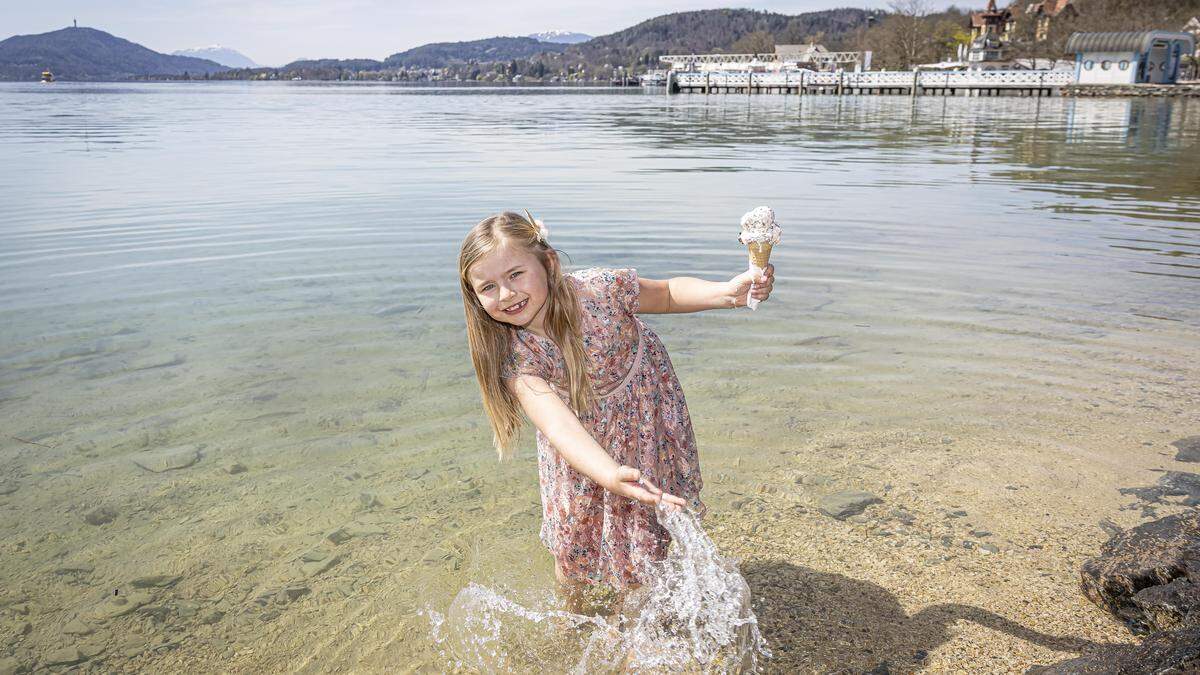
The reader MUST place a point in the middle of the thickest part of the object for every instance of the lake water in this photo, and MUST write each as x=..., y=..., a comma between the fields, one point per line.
x=256, y=283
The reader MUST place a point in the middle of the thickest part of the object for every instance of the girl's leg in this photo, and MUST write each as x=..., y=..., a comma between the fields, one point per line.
x=573, y=591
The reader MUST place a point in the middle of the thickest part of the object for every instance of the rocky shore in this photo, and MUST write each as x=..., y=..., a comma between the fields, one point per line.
x=1137, y=90
x=854, y=572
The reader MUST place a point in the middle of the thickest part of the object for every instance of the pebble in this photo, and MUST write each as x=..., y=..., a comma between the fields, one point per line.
x=980, y=533
x=989, y=548
x=77, y=627
x=7, y=487
x=958, y=513
x=11, y=666
x=842, y=505
x=235, y=468
x=173, y=459
x=156, y=581
x=101, y=515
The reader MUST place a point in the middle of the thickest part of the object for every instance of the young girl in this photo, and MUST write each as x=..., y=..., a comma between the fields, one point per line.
x=612, y=423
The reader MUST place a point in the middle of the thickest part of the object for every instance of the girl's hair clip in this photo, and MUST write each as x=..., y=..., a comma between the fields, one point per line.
x=543, y=231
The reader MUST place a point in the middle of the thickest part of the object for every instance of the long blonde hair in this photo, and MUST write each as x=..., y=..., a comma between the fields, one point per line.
x=489, y=339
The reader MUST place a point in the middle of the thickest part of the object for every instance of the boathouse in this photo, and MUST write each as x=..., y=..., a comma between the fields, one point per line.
x=1146, y=57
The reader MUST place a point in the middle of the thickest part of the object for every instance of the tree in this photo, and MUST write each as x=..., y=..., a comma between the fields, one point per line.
x=758, y=42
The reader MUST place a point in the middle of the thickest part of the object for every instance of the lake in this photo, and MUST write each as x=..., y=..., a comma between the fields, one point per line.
x=235, y=390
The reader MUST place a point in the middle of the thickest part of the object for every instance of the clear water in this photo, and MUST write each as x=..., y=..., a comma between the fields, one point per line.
x=264, y=274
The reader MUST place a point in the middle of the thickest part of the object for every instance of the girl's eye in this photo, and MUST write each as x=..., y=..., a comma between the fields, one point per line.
x=513, y=275
x=485, y=289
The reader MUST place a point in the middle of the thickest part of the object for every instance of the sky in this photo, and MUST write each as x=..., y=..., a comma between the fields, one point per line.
x=275, y=32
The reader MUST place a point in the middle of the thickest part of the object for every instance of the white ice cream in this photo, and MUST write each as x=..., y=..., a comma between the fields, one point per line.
x=759, y=226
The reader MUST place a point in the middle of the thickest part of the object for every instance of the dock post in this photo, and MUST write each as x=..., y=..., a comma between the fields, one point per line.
x=803, y=73
x=670, y=81
x=749, y=83
x=916, y=82
x=707, y=86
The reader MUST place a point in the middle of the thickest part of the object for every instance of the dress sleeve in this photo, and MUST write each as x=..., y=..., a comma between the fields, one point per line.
x=625, y=289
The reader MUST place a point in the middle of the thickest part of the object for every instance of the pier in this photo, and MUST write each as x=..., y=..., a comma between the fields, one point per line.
x=911, y=83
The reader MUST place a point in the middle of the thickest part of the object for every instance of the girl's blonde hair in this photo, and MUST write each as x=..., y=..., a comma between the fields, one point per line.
x=489, y=338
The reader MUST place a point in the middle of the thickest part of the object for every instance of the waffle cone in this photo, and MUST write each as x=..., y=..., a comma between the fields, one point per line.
x=759, y=254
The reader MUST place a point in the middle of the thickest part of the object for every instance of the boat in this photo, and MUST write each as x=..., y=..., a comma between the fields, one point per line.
x=654, y=78
x=47, y=77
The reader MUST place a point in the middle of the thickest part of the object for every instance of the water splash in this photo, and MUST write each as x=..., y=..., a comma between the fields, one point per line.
x=694, y=615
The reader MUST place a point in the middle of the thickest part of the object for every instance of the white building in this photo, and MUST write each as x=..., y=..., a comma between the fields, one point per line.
x=1152, y=57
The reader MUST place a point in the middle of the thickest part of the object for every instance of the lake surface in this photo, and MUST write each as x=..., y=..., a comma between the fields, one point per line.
x=230, y=326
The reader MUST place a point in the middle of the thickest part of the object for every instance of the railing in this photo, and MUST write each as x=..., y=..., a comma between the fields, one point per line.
x=998, y=79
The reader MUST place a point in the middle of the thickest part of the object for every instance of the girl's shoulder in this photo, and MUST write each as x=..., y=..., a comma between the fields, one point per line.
x=607, y=284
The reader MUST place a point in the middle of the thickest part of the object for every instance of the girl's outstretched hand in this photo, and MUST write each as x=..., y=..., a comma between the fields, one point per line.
x=628, y=482
x=740, y=285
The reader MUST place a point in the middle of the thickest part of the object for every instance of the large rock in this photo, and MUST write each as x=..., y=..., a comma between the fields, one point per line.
x=1149, y=575
x=842, y=505
x=1169, y=652
x=1189, y=449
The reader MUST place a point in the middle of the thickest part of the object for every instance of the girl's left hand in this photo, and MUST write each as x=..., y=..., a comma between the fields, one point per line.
x=628, y=482
x=740, y=286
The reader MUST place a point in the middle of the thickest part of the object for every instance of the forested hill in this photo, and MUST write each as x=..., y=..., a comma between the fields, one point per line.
x=720, y=30
x=490, y=50
x=90, y=54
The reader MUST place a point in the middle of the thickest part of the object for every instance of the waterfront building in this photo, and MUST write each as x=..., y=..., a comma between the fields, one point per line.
x=1043, y=12
x=990, y=30
x=1145, y=57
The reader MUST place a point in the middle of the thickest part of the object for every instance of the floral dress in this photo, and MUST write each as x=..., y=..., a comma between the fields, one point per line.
x=640, y=418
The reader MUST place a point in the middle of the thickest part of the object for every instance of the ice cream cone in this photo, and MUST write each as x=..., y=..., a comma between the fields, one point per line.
x=760, y=253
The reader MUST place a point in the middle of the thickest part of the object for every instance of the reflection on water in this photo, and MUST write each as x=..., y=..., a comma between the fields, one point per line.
x=233, y=377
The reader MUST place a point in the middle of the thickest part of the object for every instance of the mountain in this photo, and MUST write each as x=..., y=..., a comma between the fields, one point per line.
x=717, y=30
x=561, y=37
x=90, y=54
x=439, y=54
x=222, y=55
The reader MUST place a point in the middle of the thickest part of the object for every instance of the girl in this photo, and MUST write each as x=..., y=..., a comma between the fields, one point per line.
x=612, y=423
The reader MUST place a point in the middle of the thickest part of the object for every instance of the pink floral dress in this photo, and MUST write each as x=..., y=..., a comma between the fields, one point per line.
x=641, y=419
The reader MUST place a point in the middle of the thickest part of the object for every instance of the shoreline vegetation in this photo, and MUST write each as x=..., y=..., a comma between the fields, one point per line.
x=908, y=34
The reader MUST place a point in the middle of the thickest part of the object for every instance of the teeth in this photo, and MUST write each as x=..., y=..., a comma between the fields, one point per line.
x=519, y=306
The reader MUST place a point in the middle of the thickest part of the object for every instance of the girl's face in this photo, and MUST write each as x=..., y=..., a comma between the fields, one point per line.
x=511, y=284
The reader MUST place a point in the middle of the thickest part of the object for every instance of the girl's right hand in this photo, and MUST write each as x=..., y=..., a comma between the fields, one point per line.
x=628, y=482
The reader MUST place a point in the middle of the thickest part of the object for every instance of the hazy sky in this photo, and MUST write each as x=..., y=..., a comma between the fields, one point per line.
x=274, y=32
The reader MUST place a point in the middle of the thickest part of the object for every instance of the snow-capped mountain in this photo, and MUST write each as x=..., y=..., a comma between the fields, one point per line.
x=222, y=55
x=562, y=37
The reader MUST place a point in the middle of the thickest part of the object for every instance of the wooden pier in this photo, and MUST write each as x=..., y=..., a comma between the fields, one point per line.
x=910, y=83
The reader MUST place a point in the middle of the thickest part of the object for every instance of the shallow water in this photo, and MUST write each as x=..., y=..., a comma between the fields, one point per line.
x=255, y=283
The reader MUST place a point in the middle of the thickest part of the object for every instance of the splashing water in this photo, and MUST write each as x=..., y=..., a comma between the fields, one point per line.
x=693, y=615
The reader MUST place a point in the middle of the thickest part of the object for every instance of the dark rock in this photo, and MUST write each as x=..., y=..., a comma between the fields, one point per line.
x=235, y=468
x=980, y=533
x=1189, y=449
x=1170, y=484
x=101, y=515
x=11, y=666
x=1168, y=652
x=7, y=487
x=1170, y=606
x=842, y=505
x=1147, y=556
x=958, y=513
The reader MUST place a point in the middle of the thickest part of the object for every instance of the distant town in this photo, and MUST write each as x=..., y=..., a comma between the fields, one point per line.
x=910, y=36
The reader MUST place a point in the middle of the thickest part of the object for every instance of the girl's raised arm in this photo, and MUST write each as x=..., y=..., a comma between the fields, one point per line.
x=679, y=295
x=565, y=432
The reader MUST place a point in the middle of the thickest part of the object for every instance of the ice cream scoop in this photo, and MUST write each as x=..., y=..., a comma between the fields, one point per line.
x=760, y=232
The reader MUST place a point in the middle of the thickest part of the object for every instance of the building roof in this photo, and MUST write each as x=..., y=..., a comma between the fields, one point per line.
x=1131, y=41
